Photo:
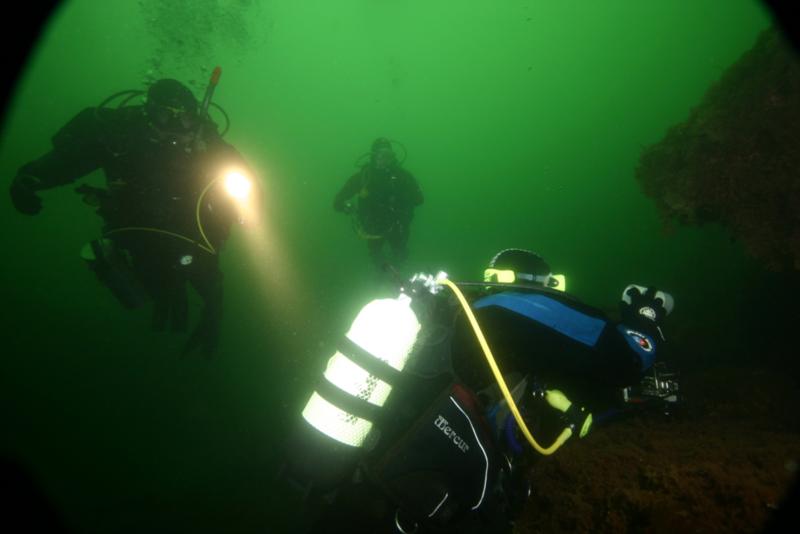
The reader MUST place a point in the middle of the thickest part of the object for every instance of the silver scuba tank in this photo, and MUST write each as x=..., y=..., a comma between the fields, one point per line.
x=339, y=418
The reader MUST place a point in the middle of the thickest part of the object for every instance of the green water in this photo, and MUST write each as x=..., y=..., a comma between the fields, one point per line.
x=523, y=122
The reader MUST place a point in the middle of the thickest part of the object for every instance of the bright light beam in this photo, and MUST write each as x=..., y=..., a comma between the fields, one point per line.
x=237, y=185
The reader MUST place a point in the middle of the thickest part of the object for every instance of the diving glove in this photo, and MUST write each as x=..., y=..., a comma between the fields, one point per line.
x=645, y=308
x=23, y=194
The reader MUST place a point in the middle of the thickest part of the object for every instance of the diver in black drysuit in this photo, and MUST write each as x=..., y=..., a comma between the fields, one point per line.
x=445, y=454
x=386, y=195
x=159, y=159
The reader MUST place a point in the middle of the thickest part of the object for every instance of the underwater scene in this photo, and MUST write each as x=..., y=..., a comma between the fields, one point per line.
x=313, y=266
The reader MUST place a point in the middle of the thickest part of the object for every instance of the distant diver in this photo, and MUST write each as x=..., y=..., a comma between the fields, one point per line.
x=381, y=197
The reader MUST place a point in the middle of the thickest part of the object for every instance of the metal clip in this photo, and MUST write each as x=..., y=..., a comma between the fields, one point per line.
x=430, y=282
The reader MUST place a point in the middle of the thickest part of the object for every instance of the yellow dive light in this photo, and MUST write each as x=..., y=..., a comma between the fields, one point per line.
x=237, y=185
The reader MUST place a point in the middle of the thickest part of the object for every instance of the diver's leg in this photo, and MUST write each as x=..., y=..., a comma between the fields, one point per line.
x=160, y=312
x=155, y=280
x=167, y=287
x=375, y=247
x=160, y=288
x=179, y=306
x=114, y=271
x=149, y=266
x=398, y=240
x=206, y=278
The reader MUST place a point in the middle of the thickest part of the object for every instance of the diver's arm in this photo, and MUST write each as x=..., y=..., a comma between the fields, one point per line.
x=76, y=152
x=634, y=342
x=348, y=191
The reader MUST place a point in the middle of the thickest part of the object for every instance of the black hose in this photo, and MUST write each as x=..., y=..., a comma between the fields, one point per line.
x=131, y=92
x=227, y=119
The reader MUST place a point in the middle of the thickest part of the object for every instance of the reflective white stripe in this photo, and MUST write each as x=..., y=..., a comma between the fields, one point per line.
x=446, y=495
x=335, y=422
x=485, y=456
x=400, y=527
x=343, y=373
x=386, y=329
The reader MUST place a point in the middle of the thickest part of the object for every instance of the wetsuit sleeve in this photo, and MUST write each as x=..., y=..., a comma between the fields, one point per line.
x=563, y=341
x=348, y=191
x=629, y=352
x=77, y=151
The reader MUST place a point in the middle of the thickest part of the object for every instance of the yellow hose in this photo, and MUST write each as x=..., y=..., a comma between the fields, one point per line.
x=565, y=434
x=197, y=216
x=206, y=246
x=159, y=231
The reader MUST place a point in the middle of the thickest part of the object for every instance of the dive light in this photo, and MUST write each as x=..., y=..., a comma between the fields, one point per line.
x=237, y=185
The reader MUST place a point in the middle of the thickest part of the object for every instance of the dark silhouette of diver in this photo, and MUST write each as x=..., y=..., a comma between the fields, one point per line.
x=382, y=197
x=173, y=188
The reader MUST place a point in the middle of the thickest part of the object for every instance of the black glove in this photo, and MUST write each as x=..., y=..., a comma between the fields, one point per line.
x=644, y=308
x=23, y=195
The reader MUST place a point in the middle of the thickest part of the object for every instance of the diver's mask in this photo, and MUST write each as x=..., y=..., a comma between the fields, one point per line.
x=383, y=158
x=174, y=126
x=507, y=276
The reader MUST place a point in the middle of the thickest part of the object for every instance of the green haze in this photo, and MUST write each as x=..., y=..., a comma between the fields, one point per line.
x=523, y=122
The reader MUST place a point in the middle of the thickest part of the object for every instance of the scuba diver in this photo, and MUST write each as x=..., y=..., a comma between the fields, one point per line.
x=435, y=403
x=173, y=188
x=385, y=197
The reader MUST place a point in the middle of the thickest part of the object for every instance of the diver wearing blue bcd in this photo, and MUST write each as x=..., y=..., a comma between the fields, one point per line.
x=420, y=420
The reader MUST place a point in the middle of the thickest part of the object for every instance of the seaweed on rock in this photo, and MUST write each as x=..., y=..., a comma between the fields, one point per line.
x=736, y=159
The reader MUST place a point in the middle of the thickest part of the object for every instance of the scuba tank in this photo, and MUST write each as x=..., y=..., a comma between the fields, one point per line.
x=342, y=416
